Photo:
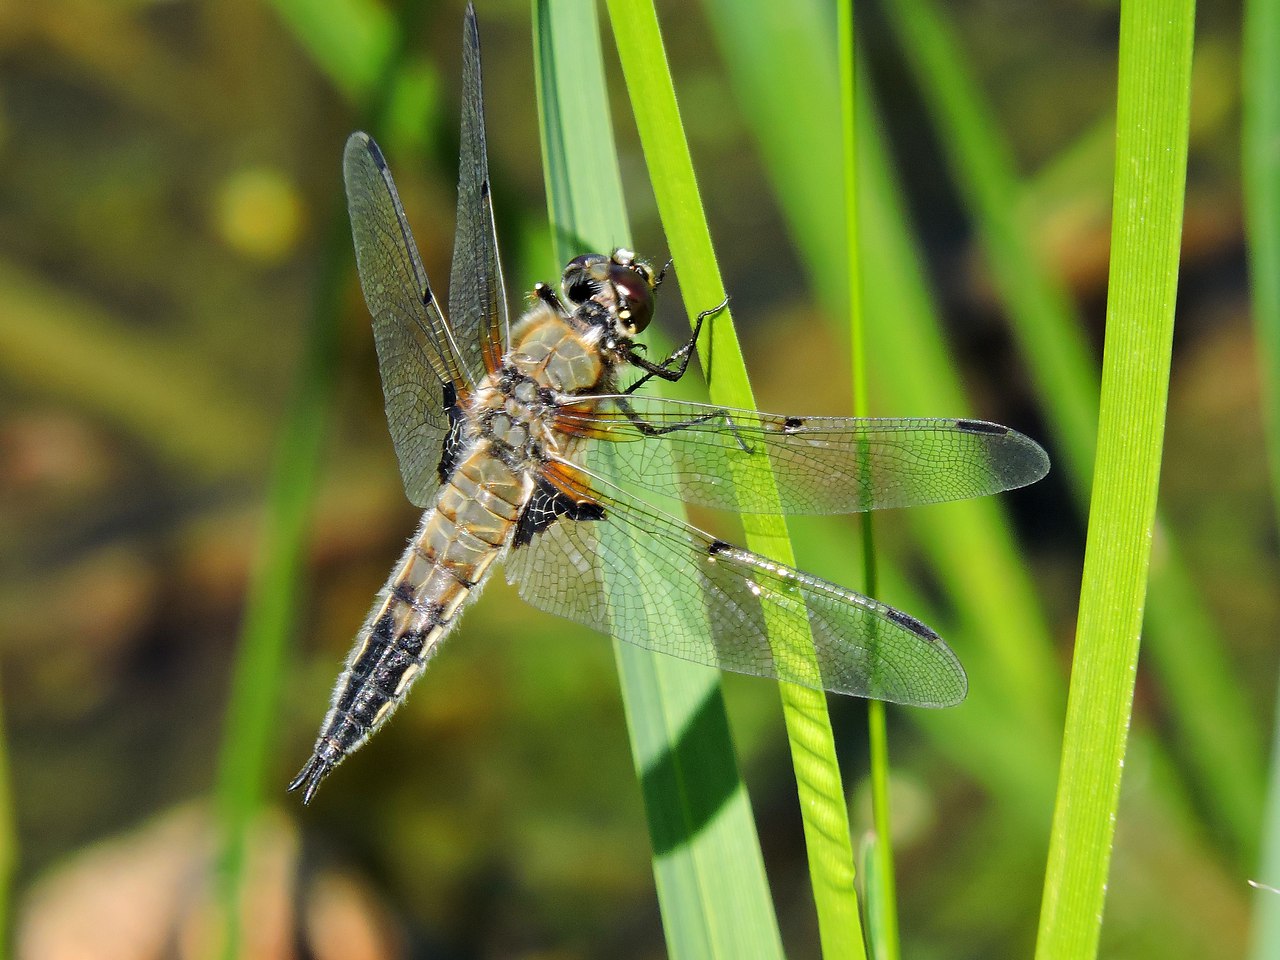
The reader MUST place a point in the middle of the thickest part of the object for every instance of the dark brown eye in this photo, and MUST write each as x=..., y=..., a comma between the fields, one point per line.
x=637, y=311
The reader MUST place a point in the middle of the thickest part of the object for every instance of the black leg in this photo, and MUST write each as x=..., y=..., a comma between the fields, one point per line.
x=650, y=430
x=662, y=274
x=548, y=296
x=674, y=367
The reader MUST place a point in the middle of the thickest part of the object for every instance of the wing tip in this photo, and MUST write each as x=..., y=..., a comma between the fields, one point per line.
x=940, y=697
x=908, y=622
x=1022, y=461
x=1031, y=464
x=948, y=686
x=470, y=28
x=360, y=143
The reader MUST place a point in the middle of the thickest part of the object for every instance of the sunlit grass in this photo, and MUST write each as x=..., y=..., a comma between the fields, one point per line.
x=1003, y=736
x=1151, y=167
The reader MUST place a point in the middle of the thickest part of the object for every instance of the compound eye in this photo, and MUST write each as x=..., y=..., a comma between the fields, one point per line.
x=637, y=293
x=578, y=282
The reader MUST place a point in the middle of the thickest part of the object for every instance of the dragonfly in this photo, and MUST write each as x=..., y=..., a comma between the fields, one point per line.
x=518, y=440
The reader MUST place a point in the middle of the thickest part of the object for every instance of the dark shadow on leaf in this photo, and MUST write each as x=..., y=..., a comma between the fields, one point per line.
x=686, y=787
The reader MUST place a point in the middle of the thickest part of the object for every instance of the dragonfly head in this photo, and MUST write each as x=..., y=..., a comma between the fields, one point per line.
x=620, y=283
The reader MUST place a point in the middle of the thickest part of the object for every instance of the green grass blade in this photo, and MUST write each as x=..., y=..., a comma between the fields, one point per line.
x=983, y=165
x=671, y=173
x=882, y=906
x=783, y=71
x=881, y=888
x=1183, y=643
x=710, y=875
x=877, y=886
x=1260, y=133
x=1151, y=158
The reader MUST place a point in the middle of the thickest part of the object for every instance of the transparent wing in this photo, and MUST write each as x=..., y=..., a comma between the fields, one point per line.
x=659, y=583
x=477, y=300
x=423, y=374
x=696, y=452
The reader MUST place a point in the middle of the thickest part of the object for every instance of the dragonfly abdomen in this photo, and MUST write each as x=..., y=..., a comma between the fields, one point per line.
x=446, y=562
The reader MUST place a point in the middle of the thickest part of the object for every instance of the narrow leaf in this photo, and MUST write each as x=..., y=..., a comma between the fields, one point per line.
x=1151, y=163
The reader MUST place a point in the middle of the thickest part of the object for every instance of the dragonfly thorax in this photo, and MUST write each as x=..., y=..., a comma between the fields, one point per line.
x=517, y=415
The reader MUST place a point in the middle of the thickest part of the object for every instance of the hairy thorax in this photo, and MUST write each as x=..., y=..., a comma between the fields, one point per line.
x=550, y=357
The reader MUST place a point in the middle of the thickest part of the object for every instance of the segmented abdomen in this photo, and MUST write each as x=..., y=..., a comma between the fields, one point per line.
x=446, y=562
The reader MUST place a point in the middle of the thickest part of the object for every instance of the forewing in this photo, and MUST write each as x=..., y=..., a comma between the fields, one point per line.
x=477, y=301
x=423, y=374
x=659, y=583
x=704, y=454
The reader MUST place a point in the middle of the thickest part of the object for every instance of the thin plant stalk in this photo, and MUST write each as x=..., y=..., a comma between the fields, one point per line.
x=883, y=926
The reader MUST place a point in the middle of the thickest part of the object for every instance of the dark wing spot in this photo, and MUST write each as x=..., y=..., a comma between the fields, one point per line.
x=427, y=297
x=792, y=424
x=981, y=426
x=546, y=506
x=484, y=189
x=376, y=152
x=912, y=624
x=717, y=547
x=452, y=452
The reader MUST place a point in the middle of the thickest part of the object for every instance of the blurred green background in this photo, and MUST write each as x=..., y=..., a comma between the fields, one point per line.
x=169, y=186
